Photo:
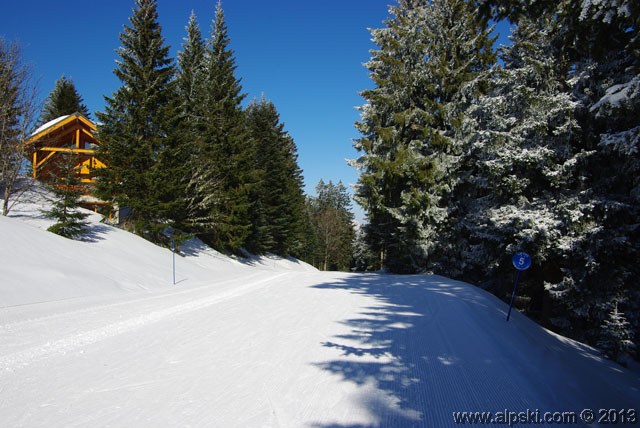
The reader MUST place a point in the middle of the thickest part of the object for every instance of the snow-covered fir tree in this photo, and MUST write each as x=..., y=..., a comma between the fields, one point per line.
x=410, y=125
x=363, y=258
x=606, y=83
x=391, y=170
x=520, y=180
x=616, y=339
x=596, y=47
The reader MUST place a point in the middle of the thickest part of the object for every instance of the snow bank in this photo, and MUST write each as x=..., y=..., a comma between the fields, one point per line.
x=40, y=266
x=271, y=261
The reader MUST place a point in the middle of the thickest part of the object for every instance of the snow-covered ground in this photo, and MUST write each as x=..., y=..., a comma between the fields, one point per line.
x=94, y=334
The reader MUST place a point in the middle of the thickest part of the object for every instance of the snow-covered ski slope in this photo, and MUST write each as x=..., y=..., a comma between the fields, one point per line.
x=94, y=334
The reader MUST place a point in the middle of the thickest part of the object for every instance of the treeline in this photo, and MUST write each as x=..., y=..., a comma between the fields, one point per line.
x=466, y=160
x=182, y=152
x=331, y=229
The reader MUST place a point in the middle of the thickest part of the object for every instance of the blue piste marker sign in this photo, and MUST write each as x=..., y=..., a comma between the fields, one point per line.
x=521, y=261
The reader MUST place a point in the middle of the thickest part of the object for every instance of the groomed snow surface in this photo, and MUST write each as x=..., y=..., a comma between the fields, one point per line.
x=94, y=334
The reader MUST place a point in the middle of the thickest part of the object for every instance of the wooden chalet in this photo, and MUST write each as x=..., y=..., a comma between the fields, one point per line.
x=67, y=134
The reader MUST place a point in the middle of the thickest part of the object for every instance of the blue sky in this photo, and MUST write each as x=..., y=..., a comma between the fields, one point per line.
x=304, y=56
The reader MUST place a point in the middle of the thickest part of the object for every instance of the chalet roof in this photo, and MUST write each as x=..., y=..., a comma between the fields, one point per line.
x=49, y=124
x=59, y=123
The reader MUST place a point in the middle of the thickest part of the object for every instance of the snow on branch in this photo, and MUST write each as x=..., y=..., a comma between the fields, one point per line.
x=625, y=142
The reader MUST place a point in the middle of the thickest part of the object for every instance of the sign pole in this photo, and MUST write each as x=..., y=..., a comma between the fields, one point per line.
x=513, y=295
x=173, y=254
x=521, y=261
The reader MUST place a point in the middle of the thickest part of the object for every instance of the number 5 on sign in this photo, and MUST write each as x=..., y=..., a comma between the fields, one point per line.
x=521, y=261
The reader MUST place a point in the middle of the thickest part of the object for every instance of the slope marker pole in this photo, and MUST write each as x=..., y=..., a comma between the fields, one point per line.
x=173, y=255
x=521, y=261
x=513, y=295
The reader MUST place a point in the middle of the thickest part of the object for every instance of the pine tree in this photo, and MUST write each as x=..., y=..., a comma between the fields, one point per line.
x=67, y=190
x=616, y=337
x=137, y=130
x=308, y=244
x=63, y=100
x=393, y=170
x=190, y=79
x=410, y=127
x=222, y=180
x=204, y=184
x=277, y=198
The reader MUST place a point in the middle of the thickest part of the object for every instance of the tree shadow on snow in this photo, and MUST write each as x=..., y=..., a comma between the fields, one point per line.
x=387, y=351
x=194, y=247
x=95, y=232
x=418, y=354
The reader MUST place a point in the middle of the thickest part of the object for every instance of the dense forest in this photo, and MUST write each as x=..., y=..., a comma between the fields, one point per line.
x=467, y=154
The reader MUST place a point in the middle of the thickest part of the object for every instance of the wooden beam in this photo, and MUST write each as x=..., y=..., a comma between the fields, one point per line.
x=89, y=134
x=63, y=136
x=67, y=150
x=38, y=165
x=86, y=122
